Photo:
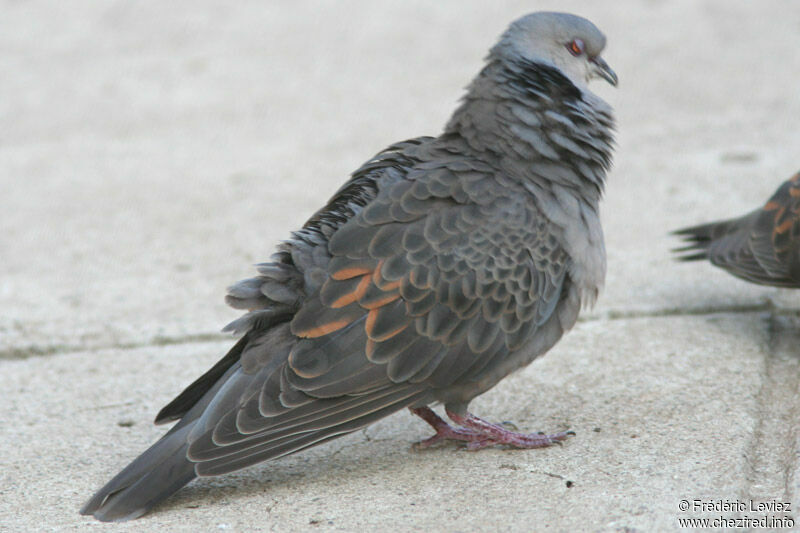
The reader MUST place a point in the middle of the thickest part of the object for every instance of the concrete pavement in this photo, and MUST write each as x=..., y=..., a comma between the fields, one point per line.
x=150, y=153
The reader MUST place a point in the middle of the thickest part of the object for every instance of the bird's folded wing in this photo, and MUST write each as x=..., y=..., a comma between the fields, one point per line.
x=775, y=238
x=433, y=282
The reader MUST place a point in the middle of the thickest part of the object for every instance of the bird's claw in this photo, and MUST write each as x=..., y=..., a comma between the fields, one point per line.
x=478, y=434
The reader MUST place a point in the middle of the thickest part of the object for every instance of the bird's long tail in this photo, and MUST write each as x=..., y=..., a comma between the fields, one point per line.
x=698, y=239
x=149, y=479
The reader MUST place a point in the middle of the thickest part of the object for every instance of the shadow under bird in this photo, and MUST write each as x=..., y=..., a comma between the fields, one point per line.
x=762, y=246
x=444, y=264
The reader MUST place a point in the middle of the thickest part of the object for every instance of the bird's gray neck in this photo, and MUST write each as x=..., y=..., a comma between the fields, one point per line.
x=539, y=124
x=553, y=138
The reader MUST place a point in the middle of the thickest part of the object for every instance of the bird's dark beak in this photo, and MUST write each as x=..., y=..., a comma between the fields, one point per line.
x=601, y=69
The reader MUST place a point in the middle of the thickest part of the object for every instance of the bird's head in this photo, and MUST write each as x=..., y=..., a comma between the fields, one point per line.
x=568, y=42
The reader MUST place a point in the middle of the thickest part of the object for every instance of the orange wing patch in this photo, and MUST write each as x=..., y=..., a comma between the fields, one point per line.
x=382, y=325
x=351, y=272
x=785, y=226
x=323, y=329
x=353, y=296
x=352, y=291
x=388, y=298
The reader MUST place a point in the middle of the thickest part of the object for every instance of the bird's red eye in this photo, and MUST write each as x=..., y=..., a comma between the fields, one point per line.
x=576, y=47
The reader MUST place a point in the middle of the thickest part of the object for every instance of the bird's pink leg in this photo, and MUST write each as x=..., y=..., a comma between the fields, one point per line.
x=479, y=433
x=444, y=431
x=495, y=434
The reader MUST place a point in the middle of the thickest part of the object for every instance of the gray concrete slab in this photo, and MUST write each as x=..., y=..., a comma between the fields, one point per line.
x=652, y=429
x=151, y=152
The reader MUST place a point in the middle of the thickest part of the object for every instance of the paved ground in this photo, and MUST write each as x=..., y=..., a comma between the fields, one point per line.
x=151, y=152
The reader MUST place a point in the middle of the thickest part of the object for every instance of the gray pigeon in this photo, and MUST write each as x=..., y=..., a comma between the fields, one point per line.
x=444, y=264
x=762, y=246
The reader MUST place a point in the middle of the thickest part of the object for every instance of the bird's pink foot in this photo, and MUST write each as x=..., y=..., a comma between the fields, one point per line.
x=479, y=433
x=444, y=431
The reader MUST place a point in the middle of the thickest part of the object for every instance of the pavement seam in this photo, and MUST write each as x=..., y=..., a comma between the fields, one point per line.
x=31, y=351
x=771, y=458
x=760, y=307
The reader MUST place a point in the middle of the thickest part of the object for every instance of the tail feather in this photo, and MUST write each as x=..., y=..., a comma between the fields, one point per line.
x=698, y=239
x=153, y=476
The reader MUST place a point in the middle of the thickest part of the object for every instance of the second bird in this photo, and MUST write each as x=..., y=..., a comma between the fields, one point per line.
x=444, y=264
x=762, y=246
